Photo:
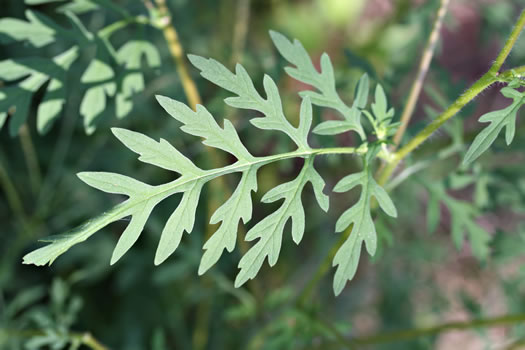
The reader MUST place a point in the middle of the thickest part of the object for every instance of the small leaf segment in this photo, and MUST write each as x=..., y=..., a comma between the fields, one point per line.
x=111, y=73
x=268, y=233
x=504, y=118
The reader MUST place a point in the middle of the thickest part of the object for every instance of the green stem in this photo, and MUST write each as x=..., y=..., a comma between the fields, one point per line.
x=13, y=198
x=106, y=32
x=31, y=158
x=161, y=192
x=511, y=41
x=484, y=82
x=396, y=336
x=86, y=338
x=417, y=85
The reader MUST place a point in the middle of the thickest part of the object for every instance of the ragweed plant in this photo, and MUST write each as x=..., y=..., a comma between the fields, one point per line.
x=268, y=233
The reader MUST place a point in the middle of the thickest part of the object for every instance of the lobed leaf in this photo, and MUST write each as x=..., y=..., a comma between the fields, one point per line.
x=323, y=81
x=504, y=118
x=359, y=216
x=35, y=32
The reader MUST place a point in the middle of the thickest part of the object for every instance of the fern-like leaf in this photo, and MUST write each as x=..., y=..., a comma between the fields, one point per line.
x=504, y=118
x=324, y=81
x=268, y=233
x=363, y=230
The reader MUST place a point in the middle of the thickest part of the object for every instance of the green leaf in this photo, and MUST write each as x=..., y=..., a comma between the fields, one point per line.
x=323, y=81
x=333, y=127
x=504, y=118
x=359, y=216
x=79, y=6
x=248, y=98
x=39, y=2
x=34, y=31
x=130, y=56
x=463, y=221
x=380, y=106
x=238, y=207
x=18, y=98
x=269, y=231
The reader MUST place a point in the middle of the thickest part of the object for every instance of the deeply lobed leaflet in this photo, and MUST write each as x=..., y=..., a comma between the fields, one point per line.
x=267, y=233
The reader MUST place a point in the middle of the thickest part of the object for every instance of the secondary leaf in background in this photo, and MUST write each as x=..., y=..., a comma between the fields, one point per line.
x=18, y=98
x=34, y=31
x=94, y=102
x=39, y=2
x=324, y=82
x=363, y=230
x=463, y=215
x=132, y=82
x=504, y=118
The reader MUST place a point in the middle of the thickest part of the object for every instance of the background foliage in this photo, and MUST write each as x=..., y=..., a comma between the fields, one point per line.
x=424, y=273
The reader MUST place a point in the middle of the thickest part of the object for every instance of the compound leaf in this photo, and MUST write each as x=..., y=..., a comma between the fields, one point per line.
x=504, y=118
x=324, y=81
x=359, y=216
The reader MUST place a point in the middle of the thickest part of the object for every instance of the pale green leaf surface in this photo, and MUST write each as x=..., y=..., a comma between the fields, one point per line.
x=269, y=231
x=238, y=207
x=248, y=97
x=161, y=154
x=202, y=124
x=182, y=219
x=359, y=216
x=130, y=56
x=78, y=6
x=324, y=81
x=504, y=118
x=463, y=221
x=333, y=127
x=34, y=31
x=38, y=2
x=39, y=72
x=114, y=183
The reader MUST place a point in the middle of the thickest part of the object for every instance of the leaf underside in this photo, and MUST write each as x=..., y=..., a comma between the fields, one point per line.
x=268, y=233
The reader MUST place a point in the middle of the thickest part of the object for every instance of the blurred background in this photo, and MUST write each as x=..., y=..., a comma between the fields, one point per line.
x=419, y=277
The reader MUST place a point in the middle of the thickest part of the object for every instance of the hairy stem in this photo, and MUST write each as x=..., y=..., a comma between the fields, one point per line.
x=417, y=85
x=484, y=82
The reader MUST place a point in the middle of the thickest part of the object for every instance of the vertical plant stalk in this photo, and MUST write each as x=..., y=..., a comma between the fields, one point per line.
x=417, y=85
x=31, y=158
x=484, y=82
x=175, y=47
x=88, y=340
x=13, y=198
x=240, y=30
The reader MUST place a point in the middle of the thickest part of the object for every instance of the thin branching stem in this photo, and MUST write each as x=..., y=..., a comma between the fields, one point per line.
x=417, y=85
x=395, y=336
x=484, y=82
x=240, y=30
x=177, y=52
x=13, y=198
x=31, y=158
x=85, y=338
